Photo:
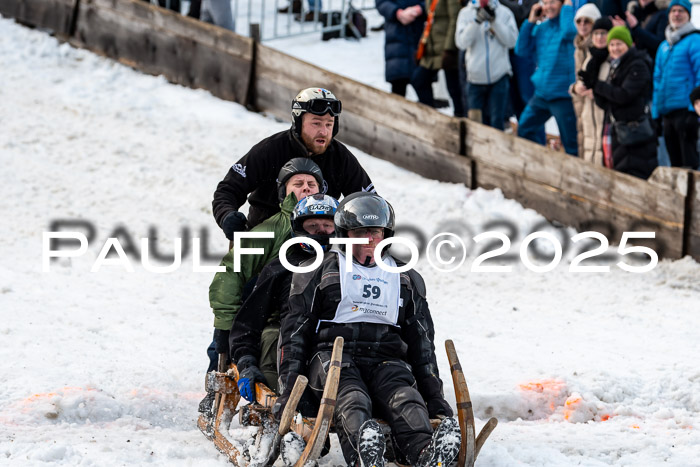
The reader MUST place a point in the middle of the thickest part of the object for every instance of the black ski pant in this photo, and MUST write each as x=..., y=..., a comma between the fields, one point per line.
x=681, y=136
x=385, y=389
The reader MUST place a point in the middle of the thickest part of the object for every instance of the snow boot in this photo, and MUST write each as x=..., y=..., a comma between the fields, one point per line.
x=444, y=446
x=371, y=444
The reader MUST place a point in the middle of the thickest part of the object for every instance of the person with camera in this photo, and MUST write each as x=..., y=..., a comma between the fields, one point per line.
x=487, y=30
x=548, y=35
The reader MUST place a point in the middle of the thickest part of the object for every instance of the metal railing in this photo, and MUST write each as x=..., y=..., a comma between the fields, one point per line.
x=331, y=18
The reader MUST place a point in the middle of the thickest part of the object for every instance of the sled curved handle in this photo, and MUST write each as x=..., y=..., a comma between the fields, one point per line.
x=325, y=412
x=291, y=407
x=465, y=413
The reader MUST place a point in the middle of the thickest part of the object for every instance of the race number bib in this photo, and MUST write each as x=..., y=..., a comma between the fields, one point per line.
x=368, y=295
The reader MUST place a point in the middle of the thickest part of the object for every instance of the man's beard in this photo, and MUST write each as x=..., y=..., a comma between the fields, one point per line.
x=310, y=144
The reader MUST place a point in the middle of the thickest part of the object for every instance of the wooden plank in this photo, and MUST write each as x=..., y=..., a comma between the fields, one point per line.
x=279, y=75
x=573, y=176
x=54, y=15
x=158, y=41
x=693, y=226
x=581, y=213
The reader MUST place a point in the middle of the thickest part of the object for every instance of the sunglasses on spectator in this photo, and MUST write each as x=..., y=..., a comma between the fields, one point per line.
x=584, y=21
x=322, y=106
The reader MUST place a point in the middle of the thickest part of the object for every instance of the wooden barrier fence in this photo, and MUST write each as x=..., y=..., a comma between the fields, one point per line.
x=410, y=135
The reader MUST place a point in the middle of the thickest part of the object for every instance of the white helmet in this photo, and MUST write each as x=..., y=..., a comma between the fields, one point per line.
x=317, y=101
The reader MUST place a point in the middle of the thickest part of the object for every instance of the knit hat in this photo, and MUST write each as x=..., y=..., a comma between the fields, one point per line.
x=602, y=23
x=620, y=33
x=684, y=3
x=695, y=95
x=589, y=10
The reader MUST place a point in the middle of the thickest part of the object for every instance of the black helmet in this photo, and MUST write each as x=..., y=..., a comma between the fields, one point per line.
x=364, y=209
x=299, y=165
x=313, y=206
x=317, y=101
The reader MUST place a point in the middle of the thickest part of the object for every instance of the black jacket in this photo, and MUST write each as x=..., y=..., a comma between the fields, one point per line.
x=264, y=306
x=256, y=174
x=625, y=96
x=315, y=296
x=649, y=33
x=628, y=89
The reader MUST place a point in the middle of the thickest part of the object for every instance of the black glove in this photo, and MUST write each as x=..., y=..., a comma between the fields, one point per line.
x=221, y=340
x=246, y=381
x=233, y=222
x=438, y=408
x=450, y=59
x=588, y=78
x=278, y=408
x=485, y=14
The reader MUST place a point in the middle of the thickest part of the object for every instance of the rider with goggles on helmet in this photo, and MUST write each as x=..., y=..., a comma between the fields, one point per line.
x=315, y=123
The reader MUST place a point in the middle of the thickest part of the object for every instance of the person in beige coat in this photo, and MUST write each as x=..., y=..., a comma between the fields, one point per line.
x=590, y=117
x=584, y=19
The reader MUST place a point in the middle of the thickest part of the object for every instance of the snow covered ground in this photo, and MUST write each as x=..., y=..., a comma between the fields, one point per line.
x=106, y=368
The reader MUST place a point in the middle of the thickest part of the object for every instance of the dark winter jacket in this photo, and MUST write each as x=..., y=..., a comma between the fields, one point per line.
x=226, y=289
x=315, y=296
x=400, y=42
x=653, y=19
x=627, y=91
x=267, y=302
x=256, y=174
x=624, y=96
x=442, y=33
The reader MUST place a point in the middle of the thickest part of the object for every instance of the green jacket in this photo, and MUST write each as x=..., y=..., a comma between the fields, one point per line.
x=226, y=289
x=442, y=33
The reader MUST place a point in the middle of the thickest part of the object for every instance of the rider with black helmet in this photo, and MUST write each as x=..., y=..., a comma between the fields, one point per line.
x=255, y=330
x=389, y=365
x=315, y=123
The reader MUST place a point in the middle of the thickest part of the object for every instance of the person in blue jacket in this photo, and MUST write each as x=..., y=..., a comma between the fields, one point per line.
x=548, y=35
x=404, y=20
x=676, y=74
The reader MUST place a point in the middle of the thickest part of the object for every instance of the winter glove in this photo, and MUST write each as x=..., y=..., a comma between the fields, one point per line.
x=221, y=341
x=485, y=14
x=588, y=78
x=233, y=222
x=278, y=408
x=450, y=59
x=439, y=408
x=246, y=382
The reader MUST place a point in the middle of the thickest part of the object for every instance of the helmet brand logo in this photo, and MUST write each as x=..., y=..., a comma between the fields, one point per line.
x=371, y=217
x=319, y=207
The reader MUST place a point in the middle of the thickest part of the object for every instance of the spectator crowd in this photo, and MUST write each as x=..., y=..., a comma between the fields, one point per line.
x=621, y=78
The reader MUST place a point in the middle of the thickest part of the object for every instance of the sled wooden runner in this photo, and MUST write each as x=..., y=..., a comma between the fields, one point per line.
x=322, y=424
x=470, y=446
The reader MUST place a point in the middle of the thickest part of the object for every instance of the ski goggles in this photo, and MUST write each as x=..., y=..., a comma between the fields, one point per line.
x=322, y=106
